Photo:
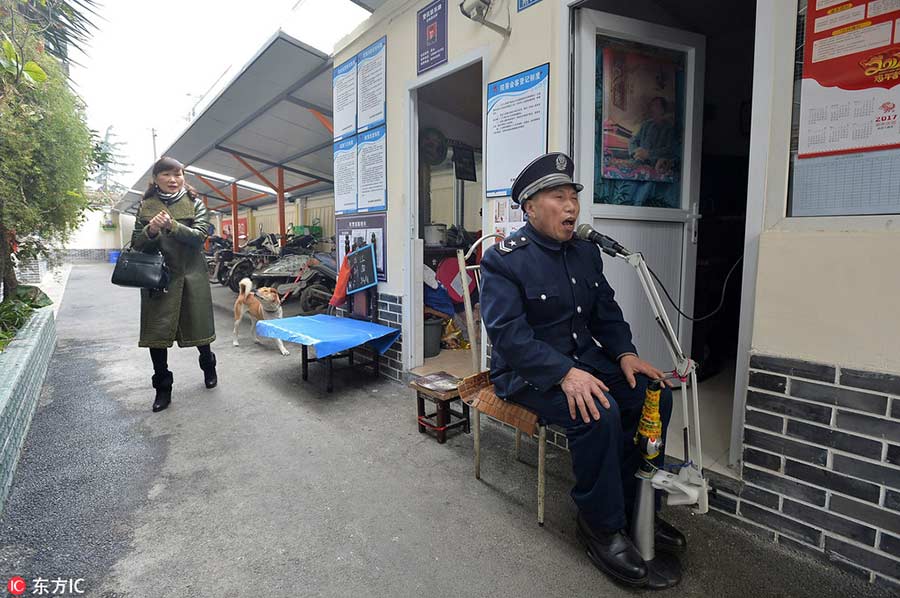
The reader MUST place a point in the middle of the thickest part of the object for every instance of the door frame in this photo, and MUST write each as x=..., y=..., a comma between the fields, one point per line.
x=412, y=328
x=590, y=24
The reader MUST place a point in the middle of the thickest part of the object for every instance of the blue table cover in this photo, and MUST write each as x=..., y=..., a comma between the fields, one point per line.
x=329, y=334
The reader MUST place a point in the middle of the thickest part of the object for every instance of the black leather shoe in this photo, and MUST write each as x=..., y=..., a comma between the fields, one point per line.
x=614, y=554
x=667, y=537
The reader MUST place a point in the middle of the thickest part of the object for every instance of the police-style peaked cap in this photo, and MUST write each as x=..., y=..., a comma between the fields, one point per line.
x=547, y=171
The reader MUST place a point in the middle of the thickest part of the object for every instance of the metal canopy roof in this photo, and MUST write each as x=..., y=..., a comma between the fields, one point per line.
x=275, y=112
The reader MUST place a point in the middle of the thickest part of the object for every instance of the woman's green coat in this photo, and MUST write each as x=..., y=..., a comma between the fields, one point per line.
x=184, y=313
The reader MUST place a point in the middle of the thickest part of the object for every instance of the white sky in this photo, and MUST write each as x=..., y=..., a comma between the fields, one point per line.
x=151, y=60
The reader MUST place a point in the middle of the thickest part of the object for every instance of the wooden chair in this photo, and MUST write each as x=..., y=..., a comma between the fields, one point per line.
x=478, y=393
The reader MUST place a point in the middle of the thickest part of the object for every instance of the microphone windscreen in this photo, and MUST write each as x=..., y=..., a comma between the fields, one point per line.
x=584, y=231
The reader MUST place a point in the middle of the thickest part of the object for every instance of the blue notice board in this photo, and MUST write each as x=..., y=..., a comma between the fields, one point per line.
x=523, y=4
x=431, y=40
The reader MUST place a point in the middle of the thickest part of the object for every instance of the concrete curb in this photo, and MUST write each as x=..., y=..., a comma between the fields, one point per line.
x=23, y=367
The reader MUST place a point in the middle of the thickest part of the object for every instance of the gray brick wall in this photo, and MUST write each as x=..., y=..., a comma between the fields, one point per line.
x=23, y=365
x=821, y=464
x=389, y=314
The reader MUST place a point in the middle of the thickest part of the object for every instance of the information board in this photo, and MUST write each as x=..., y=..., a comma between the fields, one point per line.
x=371, y=75
x=362, y=269
x=344, y=99
x=431, y=40
x=516, y=126
x=371, y=170
x=345, y=192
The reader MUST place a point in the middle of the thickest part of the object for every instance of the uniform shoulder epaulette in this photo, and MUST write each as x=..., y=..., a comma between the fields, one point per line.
x=511, y=243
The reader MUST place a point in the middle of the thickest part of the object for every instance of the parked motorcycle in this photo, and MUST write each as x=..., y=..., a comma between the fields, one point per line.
x=311, y=277
x=256, y=253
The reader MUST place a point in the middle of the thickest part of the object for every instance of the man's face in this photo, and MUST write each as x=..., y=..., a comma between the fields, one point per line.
x=554, y=212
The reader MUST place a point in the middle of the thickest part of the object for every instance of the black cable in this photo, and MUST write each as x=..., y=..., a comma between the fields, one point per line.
x=713, y=312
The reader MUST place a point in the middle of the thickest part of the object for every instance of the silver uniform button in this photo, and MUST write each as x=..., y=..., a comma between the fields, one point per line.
x=575, y=357
x=543, y=297
x=573, y=281
x=575, y=335
x=579, y=309
x=596, y=284
x=523, y=238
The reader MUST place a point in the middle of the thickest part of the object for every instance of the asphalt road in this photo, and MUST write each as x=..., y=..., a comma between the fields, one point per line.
x=268, y=486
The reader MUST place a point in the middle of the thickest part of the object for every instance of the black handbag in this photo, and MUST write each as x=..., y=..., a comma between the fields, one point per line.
x=141, y=270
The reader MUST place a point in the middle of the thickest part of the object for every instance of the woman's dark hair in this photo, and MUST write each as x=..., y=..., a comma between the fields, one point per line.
x=162, y=165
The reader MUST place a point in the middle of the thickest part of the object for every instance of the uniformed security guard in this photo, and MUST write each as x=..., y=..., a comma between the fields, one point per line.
x=561, y=347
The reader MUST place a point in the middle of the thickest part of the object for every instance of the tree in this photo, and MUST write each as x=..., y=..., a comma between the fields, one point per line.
x=62, y=23
x=45, y=146
x=110, y=163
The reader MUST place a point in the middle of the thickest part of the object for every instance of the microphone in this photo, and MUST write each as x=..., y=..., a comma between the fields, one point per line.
x=609, y=245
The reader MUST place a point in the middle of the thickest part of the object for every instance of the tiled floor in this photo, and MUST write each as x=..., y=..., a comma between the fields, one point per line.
x=458, y=363
x=716, y=398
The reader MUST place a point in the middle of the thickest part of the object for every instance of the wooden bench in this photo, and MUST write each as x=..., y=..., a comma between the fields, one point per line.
x=478, y=393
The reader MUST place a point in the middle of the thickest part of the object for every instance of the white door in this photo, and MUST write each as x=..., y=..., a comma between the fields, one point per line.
x=639, y=105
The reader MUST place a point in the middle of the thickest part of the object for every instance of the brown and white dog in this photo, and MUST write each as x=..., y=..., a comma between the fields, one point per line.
x=261, y=304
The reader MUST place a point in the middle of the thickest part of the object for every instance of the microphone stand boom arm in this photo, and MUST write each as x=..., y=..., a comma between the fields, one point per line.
x=687, y=487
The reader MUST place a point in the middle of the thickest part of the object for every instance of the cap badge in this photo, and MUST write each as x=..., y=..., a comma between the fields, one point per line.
x=561, y=162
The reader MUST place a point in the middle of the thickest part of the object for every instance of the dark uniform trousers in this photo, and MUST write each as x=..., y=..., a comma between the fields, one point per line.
x=547, y=308
x=605, y=457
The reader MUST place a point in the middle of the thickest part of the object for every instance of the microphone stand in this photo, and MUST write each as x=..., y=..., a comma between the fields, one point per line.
x=688, y=486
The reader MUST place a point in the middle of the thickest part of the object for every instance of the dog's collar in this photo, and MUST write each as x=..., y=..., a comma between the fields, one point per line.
x=269, y=306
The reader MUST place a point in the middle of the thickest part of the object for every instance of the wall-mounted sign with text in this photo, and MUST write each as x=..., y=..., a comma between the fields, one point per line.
x=371, y=170
x=516, y=126
x=371, y=66
x=431, y=41
x=345, y=176
x=344, y=99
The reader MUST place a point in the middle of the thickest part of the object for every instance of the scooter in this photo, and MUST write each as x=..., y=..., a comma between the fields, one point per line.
x=263, y=250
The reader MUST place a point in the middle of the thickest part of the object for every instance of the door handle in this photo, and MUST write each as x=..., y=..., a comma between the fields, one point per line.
x=693, y=218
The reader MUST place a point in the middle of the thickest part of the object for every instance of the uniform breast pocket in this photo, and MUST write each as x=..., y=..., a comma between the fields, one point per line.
x=544, y=304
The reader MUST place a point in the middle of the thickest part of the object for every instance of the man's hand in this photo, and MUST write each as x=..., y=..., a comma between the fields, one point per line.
x=632, y=364
x=581, y=388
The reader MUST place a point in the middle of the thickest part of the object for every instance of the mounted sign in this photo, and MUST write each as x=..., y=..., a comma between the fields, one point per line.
x=362, y=269
x=516, y=126
x=352, y=232
x=523, y=4
x=371, y=170
x=850, y=91
x=344, y=98
x=345, y=176
x=431, y=47
x=371, y=75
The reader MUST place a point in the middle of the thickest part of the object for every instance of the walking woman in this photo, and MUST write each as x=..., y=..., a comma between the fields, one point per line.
x=171, y=219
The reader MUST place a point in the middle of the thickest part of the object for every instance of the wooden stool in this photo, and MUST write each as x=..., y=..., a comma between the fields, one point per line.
x=478, y=393
x=441, y=389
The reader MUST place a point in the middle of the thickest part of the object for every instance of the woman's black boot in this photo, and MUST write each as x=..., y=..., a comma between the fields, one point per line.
x=163, y=385
x=208, y=365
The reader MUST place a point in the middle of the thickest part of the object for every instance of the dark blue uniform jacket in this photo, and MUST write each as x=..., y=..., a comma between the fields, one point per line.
x=547, y=307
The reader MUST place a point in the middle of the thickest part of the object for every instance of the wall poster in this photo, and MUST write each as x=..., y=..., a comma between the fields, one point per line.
x=345, y=191
x=371, y=66
x=641, y=139
x=516, y=126
x=344, y=98
x=851, y=77
x=431, y=37
x=352, y=232
x=371, y=170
